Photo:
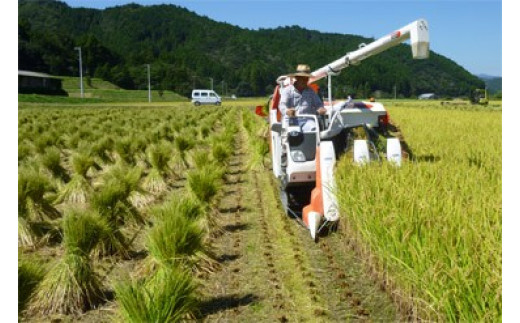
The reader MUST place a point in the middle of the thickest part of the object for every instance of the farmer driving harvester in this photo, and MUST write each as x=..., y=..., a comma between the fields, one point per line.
x=299, y=98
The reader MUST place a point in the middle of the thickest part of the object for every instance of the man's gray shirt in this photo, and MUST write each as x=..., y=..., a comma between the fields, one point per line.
x=307, y=102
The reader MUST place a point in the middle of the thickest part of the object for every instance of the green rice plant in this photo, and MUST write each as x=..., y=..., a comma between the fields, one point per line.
x=166, y=132
x=223, y=138
x=220, y=153
x=141, y=199
x=43, y=142
x=168, y=297
x=27, y=235
x=111, y=200
x=187, y=206
x=81, y=163
x=158, y=156
x=123, y=147
x=183, y=143
x=71, y=141
x=205, y=183
x=259, y=150
x=24, y=151
x=200, y=158
x=109, y=197
x=177, y=126
x=176, y=238
x=154, y=182
x=51, y=159
x=32, y=203
x=183, y=204
x=102, y=147
x=30, y=274
x=204, y=131
x=129, y=177
x=257, y=139
x=108, y=203
x=139, y=145
x=78, y=190
x=72, y=286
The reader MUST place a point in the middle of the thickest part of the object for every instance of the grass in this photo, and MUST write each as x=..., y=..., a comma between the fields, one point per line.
x=201, y=158
x=111, y=200
x=33, y=204
x=257, y=140
x=221, y=153
x=184, y=143
x=76, y=191
x=51, y=159
x=175, y=237
x=158, y=157
x=167, y=297
x=99, y=91
x=205, y=183
x=71, y=286
x=82, y=163
x=30, y=274
x=104, y=160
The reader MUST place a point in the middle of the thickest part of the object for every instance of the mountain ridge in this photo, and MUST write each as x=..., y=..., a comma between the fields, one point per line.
x=187, y=50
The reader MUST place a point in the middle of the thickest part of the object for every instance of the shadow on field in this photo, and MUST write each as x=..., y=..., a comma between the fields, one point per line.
x=427, y=158
x=230, y=192
x=227, y=258
x=222, y=303
x=237, y=172
x=233, y=209
x=236, y=227
x=238, y=181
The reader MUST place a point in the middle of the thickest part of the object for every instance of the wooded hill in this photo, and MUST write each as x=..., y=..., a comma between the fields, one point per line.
x=185, y=50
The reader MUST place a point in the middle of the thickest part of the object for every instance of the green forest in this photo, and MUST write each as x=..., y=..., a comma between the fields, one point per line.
x=186, y=50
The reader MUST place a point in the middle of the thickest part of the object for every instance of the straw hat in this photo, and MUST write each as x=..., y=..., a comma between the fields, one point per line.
x=302, y=70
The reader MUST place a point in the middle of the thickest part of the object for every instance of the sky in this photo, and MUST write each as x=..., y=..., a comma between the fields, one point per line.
x=468, y=32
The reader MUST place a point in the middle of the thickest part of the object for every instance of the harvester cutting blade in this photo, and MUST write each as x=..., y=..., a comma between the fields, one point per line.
x=361, y=154
x=393, y=151
x=314, y=220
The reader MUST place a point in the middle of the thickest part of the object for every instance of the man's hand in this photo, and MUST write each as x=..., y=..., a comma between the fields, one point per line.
x=322, y=111
x=290, y=112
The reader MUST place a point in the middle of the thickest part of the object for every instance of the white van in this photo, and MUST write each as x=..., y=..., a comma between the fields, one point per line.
x=199, y=97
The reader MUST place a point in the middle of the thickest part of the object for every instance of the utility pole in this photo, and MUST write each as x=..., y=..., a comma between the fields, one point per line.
x=80, y=71
x=149, y=85
x=194, y=77
x=211, y=79
x=395, y=92
x=222, y=93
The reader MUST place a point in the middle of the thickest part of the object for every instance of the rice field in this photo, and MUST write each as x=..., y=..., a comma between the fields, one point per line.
x=91, y=180
x=120, y=208
x=432, y=229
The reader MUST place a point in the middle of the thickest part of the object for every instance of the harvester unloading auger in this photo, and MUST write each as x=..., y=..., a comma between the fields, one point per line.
x=307, y=173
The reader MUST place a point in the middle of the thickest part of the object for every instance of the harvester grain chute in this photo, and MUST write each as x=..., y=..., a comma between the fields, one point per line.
x=307, y=172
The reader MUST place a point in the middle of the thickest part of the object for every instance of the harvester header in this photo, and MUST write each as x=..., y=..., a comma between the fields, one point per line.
x=416, y=31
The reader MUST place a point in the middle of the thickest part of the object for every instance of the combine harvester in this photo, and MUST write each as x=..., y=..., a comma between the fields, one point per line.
x=307, y=173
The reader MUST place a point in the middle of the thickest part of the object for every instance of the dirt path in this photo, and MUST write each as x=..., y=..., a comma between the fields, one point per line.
x=271, y=270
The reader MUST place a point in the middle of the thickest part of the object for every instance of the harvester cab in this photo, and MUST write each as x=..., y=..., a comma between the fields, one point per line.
x=305, y=148
x=479, y=96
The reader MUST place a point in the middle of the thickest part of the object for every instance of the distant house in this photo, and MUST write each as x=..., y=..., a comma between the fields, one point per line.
x=427, y=96
x=39, y=83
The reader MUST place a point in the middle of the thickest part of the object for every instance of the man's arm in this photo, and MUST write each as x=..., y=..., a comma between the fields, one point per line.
x=285, y=102
x=318, y=104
